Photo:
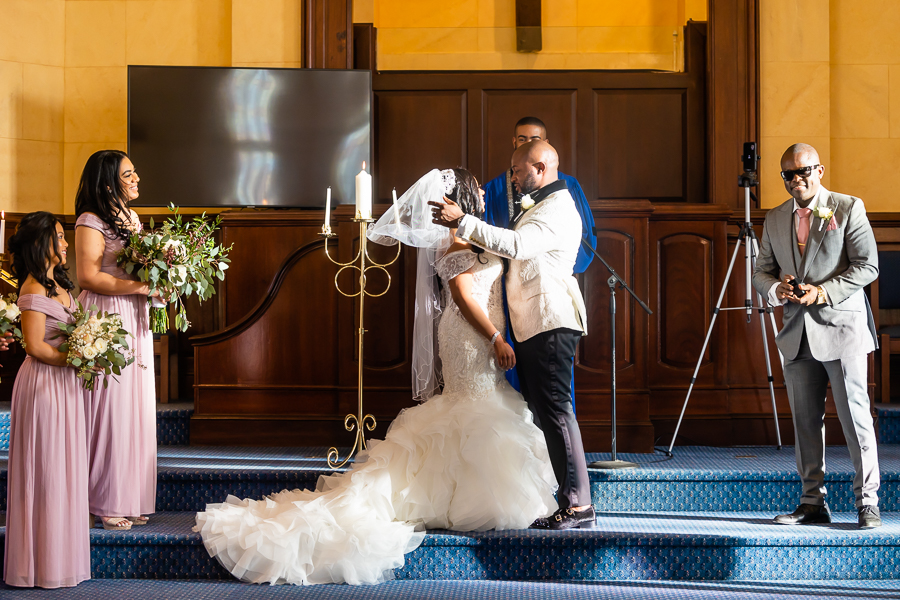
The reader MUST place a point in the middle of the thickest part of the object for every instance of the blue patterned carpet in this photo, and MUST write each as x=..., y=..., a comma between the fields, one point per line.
x=695, y=479
x=469, y=590
x=623, y=546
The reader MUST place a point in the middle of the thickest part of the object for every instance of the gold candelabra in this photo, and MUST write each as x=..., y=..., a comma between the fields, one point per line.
x=358, y=421
x=5, y=275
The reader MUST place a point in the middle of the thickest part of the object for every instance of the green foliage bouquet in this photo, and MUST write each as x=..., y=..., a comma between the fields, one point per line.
x=9, y=316
x=96, y=345
x=178, y=259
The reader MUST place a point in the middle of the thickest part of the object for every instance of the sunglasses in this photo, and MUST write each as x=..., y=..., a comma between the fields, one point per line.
x=803, y=172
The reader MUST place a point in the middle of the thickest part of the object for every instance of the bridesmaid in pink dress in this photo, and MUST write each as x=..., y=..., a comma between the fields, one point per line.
x=121, y=418
x=47, y=537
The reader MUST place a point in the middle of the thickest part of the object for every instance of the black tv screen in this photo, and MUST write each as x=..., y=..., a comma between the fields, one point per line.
x=219, y=137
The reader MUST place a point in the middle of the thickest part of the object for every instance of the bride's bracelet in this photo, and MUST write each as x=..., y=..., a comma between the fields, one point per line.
x=494, y=337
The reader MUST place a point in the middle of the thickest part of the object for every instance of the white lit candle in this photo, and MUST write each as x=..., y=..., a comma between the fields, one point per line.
x=364, y=194
x=328, y=208
x=2, y=232
x=396, y=208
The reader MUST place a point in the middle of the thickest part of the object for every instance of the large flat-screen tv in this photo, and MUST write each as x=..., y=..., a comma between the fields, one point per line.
x=226, y=137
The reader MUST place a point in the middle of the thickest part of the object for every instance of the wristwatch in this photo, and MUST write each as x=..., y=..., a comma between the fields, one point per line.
x=820, y=297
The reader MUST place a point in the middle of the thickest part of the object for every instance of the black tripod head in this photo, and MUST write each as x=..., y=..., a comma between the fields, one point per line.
x=750, y=176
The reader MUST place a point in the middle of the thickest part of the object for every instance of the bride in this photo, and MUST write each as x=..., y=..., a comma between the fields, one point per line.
x=468, y=458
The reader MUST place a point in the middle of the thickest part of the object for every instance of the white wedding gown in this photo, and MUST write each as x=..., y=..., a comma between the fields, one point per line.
x=468, y=459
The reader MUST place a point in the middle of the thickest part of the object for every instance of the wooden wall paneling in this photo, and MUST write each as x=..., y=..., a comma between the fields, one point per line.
x=503, y=108
x=695, y=153
x=733, y=93
x=328, y=34
x=640, y=143
x=475, y=135
x=686, y=272
x=364, y=46
x=622, y=229
x=416, y=131
x=262, y=240
x=418, y=123
x=255, y=370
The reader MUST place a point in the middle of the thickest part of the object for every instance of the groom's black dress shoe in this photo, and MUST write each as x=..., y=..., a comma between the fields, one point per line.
x=869, y=517
x=805, y=514
x=567, y=518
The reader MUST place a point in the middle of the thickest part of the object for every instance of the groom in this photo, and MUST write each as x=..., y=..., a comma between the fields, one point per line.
x=546, y=310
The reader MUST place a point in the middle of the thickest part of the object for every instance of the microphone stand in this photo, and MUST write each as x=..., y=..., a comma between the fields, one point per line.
x=613, y=281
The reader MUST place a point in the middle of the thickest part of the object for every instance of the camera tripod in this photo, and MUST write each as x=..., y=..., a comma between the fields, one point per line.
x=747, y=239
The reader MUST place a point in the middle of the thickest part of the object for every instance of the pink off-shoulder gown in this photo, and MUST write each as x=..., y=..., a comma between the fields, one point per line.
x=121, y=418
x=47, y=537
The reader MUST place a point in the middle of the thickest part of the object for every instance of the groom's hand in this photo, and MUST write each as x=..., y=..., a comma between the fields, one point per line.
x=446, y=213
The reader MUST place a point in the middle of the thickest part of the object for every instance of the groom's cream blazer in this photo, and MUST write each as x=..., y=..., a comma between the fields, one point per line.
x=543, y=245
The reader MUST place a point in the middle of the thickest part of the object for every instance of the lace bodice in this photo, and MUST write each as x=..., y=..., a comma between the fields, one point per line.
x=468, y=361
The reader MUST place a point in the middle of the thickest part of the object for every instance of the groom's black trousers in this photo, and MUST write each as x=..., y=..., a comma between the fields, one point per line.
x=544, y=364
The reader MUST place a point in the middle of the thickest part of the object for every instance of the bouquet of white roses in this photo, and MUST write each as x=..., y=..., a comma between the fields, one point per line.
x=96, y=345
x=178, y=259
x=9, y=316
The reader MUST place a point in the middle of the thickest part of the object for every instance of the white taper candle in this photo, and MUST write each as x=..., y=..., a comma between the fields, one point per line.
x=328, y=208
x=396, y=208
x=364, y=194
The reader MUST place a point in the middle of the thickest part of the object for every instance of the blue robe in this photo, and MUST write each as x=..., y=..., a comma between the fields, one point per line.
x=499, y=210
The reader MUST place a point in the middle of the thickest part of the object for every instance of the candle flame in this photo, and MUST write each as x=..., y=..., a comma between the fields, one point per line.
x=2, y=214
x=364, y=165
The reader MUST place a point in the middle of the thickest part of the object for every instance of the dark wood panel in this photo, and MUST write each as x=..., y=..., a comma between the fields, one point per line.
x=686, y=270
x=732, y=94
x=640, y=142
x=685, y=278
x=618, y=249
x=265, y=351
x=328, y=34
x=416, y=131
x=503, y=108
x=260, y=246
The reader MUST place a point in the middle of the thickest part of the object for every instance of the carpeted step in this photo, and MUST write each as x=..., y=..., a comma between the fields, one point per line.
x=468, y=590
x=888, y=423
x=710, y=546
x=695, y=479
x=173, y=424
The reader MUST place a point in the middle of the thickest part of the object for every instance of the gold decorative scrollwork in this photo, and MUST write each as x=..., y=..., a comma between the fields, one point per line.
x=359, y=422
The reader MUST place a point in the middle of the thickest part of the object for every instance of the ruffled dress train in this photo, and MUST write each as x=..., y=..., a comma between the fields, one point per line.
x=469, y=459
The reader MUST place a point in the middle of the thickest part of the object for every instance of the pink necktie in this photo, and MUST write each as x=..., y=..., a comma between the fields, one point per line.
x=803, y=228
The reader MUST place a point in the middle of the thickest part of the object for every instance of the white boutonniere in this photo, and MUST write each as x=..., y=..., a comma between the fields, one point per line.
x=825, y=214
x=526, y=202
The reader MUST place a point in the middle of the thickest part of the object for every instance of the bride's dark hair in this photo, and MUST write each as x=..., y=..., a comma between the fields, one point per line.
x=467, y=195
x=32, y=247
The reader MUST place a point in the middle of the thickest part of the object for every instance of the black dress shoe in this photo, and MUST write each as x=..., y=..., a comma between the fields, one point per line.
x=541, y=523
x=805, y=514
x=568, y=518
x=869, y=517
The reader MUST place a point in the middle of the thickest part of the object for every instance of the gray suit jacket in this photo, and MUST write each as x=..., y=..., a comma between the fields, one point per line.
x=842, y=261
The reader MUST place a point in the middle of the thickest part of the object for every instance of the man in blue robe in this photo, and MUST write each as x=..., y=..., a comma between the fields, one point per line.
x=501, y=207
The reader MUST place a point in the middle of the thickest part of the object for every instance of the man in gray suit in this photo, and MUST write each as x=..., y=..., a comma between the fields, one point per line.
x=823, y=240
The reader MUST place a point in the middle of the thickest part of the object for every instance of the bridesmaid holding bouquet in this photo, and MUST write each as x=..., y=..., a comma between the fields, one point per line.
x=121, y=418
x=47, y=537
